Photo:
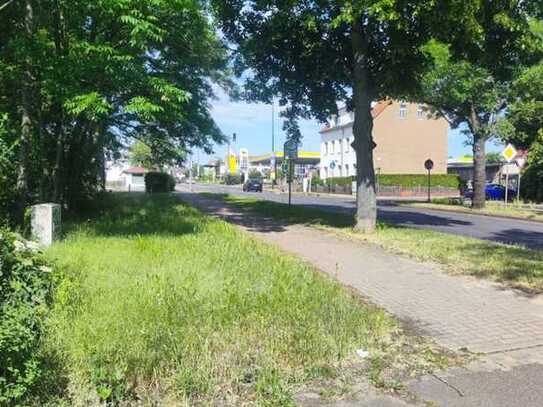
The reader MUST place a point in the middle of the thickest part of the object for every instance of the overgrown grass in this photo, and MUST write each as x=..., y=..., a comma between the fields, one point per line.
x=159, y=304
x=513, y=210
x=516, y=266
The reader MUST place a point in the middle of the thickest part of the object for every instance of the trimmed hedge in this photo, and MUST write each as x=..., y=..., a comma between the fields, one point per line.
x=415, y=180
x=159, y=182
x=406, y=180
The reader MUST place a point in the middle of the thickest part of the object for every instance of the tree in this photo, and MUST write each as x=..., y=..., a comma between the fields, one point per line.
x=524, y=127
x=470, y=80
x=313, y=54
x=80, y=79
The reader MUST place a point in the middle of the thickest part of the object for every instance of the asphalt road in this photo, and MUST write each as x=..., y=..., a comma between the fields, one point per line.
x=525, y=233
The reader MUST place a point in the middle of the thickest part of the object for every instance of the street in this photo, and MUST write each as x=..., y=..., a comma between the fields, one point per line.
x=526, y=233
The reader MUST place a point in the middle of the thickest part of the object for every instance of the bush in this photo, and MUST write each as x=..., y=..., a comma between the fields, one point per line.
x=531, y=182
x=159, y=182
x=25, y=287
x=232, y=179
x=416, y=180
x=405, y=180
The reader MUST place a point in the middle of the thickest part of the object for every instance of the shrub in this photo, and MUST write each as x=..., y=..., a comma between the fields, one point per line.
x=232, y=179
x=255, y=174
x=415, y=180
x=159, y=182
x=25, y=287
x=531, y=182
x=405, y=180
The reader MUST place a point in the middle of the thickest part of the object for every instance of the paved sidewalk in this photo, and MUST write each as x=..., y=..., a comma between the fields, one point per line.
x=458, y=312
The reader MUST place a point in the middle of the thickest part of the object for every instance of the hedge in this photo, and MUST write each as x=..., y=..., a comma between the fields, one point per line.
x=26, y=285
x=232, y=179
x=159, y=182
x=406, y=180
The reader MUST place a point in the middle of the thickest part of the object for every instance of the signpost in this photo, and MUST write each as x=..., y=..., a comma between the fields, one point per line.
x=521, y=162
x=509, y=154
x=290, y=156
x=429, y=165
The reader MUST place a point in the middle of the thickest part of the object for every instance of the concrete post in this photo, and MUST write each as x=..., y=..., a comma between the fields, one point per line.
x=46, y=223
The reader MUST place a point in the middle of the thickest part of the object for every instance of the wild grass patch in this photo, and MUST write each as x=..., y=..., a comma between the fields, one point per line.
x=161, y=304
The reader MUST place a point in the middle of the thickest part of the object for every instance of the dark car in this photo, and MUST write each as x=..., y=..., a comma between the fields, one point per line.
x=494, y=192
x=253, y=184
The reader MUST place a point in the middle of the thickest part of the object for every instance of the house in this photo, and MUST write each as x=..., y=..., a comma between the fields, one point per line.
x=405, y=133
x=134, y=178
x=496, y=171
x=307, y=160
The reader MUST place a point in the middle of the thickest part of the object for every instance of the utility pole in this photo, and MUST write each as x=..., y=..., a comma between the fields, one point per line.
x=273, y=158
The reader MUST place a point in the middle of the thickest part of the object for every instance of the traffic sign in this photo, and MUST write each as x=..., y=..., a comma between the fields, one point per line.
x=332, y=165
x=291, y=149
x=429, y=164
x=509, y=153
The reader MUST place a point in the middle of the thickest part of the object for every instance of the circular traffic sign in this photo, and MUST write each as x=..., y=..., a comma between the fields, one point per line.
x=428, y=164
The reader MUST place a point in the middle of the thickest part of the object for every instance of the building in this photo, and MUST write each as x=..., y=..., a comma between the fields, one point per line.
x=134, y=178
x=406, y=136
x=307, y=160
x=496, y=171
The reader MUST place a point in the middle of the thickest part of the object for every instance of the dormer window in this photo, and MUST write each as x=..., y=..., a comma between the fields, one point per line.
x=403, y=110
x=420, y=112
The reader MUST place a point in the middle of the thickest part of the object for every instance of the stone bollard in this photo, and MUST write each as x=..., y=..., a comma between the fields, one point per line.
x=45, y=223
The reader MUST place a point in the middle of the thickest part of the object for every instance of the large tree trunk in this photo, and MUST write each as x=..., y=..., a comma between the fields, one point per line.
x=27, y=125
x=366, y=199
x=479, y=172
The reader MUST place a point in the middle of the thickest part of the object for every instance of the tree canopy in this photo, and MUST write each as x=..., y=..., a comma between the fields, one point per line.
x=79, y=79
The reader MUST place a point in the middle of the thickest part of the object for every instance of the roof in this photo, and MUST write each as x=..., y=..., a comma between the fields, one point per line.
x=307, y=155
x=135, y=171
x=375, y=112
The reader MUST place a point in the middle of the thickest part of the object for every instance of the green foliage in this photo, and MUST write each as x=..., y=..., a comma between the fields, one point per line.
x=159, y=182
x=232, y=179
x=25, y=288
x=531, y=187
x=96, y=75
x=255, y=174
x=7, y=170
x=405, y=180
x=163, y=305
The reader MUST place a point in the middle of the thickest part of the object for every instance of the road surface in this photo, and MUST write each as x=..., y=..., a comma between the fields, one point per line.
x=525, y=233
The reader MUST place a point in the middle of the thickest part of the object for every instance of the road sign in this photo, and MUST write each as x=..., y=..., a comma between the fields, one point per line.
x=509, y=153
x=429, y=164
x=291, y=149
x=332, y=165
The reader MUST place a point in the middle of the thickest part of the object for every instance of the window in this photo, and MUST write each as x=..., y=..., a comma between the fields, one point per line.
x=333, y=147
x=339, y=171
x=403, y=110
x=325, y=172
x=420, y=112
x=326, y=148
x=347, y=145
x=347, y=170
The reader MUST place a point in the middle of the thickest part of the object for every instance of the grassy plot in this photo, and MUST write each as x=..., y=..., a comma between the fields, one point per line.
x=513, y=265
x=512, y=210
x=160, y=304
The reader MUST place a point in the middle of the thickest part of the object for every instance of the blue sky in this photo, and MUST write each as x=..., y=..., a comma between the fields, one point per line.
x=252, y=124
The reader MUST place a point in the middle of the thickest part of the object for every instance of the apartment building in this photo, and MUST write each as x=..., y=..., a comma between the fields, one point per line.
x=406, y=136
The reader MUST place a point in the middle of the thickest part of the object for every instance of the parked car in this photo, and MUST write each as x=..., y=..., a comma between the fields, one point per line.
x=253, y=184
x=494, y=192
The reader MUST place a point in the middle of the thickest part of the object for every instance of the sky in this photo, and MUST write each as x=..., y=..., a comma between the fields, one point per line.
x=252, y=123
